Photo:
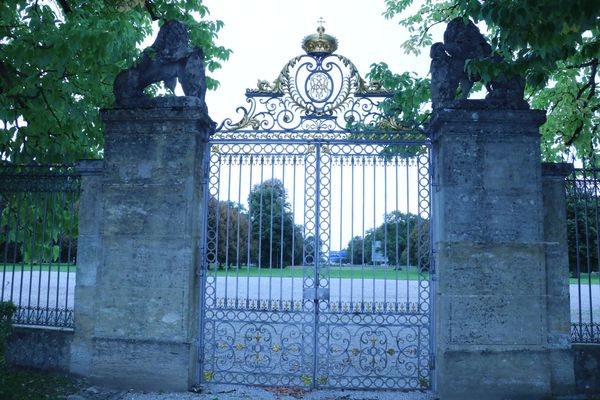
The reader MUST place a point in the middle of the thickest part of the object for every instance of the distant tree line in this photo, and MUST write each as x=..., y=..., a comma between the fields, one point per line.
x=265, y=234
x=404, y=238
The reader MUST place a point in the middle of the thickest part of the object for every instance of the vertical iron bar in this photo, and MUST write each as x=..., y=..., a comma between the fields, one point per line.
x=271, y=230
x=362, y=268
x=42, y=253
x=373, y=264
x=317, y=255
x=215, y=271
x=352, y=234
x=283, y=161
x=597, y=227
x=51, y=241
x=408, y=233
x=249, y=232
x=293, y=231
x=227, y=220
x=69, y=248
x=260, y=214
x=53, y=194
x=341, y=230
x=60, y=244
x=385, y=222
x=23, y=248
x=205, y=185
x=33, y=223
x=238, y=244
x=419, y=238
x=577, y=257
x=6, y=241
x=17, y=229
x=397, y=235
x=587, y=248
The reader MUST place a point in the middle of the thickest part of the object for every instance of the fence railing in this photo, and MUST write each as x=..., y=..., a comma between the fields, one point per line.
x=583, y=230
x=38, y=241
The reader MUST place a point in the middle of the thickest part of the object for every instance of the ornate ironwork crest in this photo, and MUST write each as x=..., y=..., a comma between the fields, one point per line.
x=319, y=93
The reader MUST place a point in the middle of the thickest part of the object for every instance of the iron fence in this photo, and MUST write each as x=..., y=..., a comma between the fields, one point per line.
x=38, y=242
x=584, y=252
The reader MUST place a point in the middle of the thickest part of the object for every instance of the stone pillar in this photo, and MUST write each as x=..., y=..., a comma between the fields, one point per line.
x=145, y=302
x=491, y=325
x=89, y=250
x=557, y=282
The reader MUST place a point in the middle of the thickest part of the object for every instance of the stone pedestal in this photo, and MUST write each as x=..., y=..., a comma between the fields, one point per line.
x=491, y=326
x=137, y=289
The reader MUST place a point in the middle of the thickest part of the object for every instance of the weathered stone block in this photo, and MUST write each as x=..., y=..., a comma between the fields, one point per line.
x=148, y=261
x=501, y=375
x=490, y=269
x=143, y=313
x=158, y=210
x=496, y=320
x=40, y=348
x=148, y=364
x=587, y=365
x=89, y=255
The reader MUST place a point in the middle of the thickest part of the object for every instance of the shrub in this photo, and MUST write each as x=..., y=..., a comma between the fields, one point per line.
x=7, y=310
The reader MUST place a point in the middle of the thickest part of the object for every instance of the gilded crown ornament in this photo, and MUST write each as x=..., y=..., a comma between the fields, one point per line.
x=320, y=42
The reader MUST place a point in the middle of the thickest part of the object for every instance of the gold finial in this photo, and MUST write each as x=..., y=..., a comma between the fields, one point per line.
x=320, y=43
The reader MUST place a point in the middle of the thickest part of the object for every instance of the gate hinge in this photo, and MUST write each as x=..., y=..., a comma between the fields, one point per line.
x=432, y=361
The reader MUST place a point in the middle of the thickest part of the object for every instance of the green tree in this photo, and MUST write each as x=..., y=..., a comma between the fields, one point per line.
x=58, y=61
x=555, y=44
x=394, y=233
x=229, y=223
x=272, y=226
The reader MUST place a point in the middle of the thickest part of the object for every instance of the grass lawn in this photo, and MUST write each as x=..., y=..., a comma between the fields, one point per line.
x=343, y=272
x=30, y=384
x=585, y=279
x=335, y=272
x=36, y=267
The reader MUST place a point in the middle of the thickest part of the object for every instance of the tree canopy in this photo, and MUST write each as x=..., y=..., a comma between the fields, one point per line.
x=276, y=240
x=58, y=61
x=554, y=44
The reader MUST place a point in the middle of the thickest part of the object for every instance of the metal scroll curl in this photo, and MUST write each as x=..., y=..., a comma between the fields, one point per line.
x=322, y=95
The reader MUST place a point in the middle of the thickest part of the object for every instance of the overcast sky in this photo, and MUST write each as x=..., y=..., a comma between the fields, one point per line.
x=265, y=34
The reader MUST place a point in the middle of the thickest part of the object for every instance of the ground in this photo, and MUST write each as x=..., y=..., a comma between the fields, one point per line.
x=223, y=392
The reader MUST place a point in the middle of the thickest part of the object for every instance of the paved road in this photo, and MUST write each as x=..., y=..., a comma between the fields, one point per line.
x=55, y=290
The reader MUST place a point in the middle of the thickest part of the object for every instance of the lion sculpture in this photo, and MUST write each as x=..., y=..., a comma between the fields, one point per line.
x=450, y=81
x=169, y=59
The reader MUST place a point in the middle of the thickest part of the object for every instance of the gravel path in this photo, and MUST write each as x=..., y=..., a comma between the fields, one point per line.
x=224, y=392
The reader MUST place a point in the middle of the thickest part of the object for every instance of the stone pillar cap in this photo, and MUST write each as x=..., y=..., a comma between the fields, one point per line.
x=557, y=170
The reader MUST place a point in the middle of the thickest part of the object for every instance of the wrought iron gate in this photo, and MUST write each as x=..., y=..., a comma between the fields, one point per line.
x=315, y=267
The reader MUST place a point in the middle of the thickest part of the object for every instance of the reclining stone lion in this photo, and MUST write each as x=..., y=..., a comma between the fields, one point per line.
x=168, y=59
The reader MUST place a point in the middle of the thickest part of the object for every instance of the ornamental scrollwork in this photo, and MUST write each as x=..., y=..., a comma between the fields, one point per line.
x=314, y=93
